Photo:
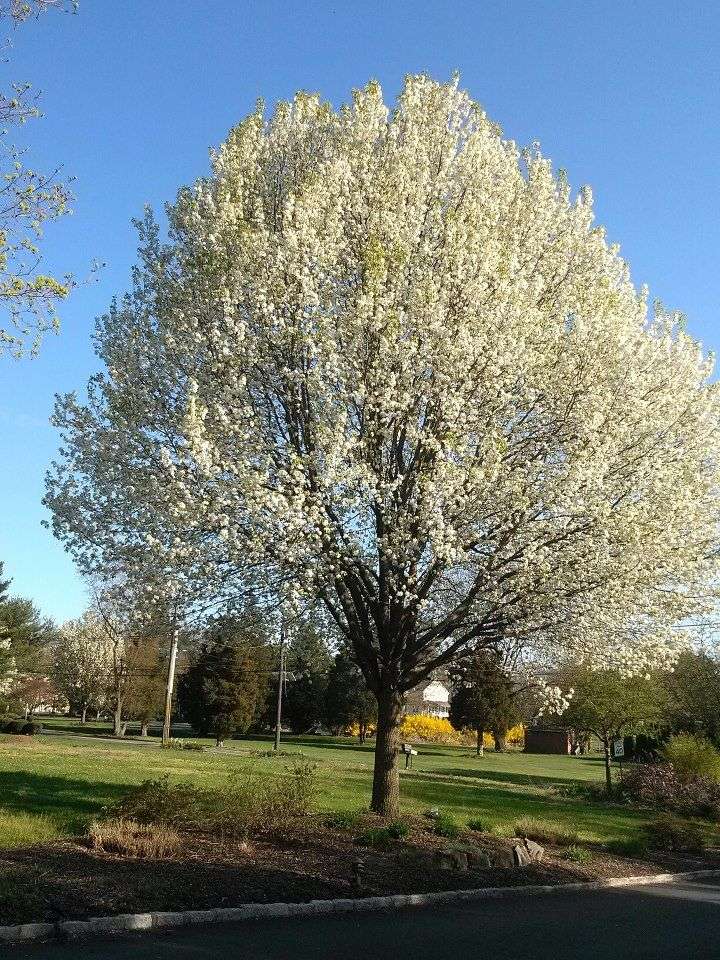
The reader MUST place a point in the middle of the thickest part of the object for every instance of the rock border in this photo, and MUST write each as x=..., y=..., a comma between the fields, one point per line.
x=65, y=930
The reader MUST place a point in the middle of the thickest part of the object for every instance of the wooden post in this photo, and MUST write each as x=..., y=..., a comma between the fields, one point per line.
x=169, y=688
x=281, y=679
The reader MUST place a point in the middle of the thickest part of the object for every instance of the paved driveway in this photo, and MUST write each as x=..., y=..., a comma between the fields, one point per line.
x=674, y=922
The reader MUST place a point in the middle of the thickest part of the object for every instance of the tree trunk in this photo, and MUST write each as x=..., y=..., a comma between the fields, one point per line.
x=386, y=779
x=500, y=738
x=361, y=733
x=608, y=773
x=144, y=728
x=479, y=750
x=118, y=726
x=83, y=714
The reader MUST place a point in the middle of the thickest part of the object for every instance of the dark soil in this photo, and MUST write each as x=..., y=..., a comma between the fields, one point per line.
x=306, y=860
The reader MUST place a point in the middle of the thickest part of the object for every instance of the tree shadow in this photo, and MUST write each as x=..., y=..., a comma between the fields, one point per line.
x=72, y=801
x=577, y=812
x=502, y=776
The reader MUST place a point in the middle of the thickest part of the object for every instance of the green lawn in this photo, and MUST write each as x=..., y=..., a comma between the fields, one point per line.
x=53, y=784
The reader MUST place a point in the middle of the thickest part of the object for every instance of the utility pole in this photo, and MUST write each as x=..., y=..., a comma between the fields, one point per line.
x=281, y=681
x=169, y=688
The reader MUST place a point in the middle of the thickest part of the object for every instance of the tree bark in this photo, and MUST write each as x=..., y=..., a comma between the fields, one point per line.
x=144, y=728
x=386, y=778
x=608, y=773
x=479, y=749
x=118, y=725
x=83, y=715
x=499, y=736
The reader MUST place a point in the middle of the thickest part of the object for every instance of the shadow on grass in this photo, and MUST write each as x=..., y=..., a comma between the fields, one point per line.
x=606, y=821
x=321, y=743
x=501, y=776
x=70, y=801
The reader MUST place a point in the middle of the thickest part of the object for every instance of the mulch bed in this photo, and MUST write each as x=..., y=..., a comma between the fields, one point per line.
x=305, y=860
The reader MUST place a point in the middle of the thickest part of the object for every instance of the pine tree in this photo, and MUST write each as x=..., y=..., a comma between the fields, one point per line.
x=225, y=687
x=483, y=698
x=348, y=700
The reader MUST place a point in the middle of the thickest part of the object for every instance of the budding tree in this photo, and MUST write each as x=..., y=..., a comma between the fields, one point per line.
x=28, y=200
x=387, y=358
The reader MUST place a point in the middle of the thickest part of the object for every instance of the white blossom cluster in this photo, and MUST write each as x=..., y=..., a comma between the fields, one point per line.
x=387, y=359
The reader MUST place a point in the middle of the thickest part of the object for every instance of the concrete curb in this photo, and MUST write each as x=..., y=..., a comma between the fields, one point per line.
x=130, y=922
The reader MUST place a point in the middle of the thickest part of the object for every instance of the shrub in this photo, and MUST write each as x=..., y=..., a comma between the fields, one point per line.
x=576, y=854
x=546, y=831
x=398, y=830
x=418, y=726
x=31, y=727
x=252, y=803
x=474, y=823
x=692, y=757
x=658, y=785
x=447, y=826
x=132, y=839
x=175, y=743
x=670, y=833
x=375, y=837
x=13, y=725
x=342, y=820
x=629, y=846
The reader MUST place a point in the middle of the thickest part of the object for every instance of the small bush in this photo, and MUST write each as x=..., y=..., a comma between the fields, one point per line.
x=375, y=837
x=474, y=823
x=576, y=854
x=658, y=785
x=398, y=830
x=31, y=727
x=692, y=758
x=418, y=726
x=248, y=804
x=670, y=833
x=446, y=826
x=546, y=831
x=13, y=725
x=131, y=839
x=628, y=846
x=342, y=820
x=175, y=743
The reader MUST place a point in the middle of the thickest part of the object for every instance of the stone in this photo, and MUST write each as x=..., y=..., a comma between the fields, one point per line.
x=535, y=851
x=522, y=857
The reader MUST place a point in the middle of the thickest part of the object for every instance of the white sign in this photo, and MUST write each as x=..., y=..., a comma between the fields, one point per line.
x=618, y=748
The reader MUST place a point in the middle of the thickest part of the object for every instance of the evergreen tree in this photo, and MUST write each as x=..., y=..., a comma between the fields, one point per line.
x=348, y=700
x=225, y=687
x=145, y=697
x=308, y=660
x=483, y=698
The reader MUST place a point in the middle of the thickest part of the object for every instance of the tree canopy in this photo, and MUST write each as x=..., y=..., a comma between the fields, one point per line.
x=386, y=359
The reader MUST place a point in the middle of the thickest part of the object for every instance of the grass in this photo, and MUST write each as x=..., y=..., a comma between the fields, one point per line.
x=56, y=784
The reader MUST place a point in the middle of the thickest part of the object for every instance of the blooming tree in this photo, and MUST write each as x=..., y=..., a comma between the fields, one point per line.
x=387, y=359
x=81, y=662
x=28, y=200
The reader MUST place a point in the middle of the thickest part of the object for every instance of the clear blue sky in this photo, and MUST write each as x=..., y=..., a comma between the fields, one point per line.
x=624, y=95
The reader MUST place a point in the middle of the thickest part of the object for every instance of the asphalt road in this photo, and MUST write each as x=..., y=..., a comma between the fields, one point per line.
x=673, y=922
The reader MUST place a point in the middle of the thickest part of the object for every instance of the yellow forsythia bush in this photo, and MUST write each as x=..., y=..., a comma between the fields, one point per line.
x=418, y=726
